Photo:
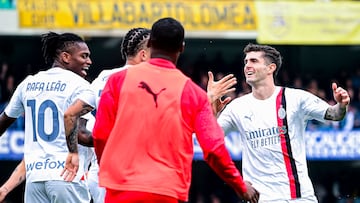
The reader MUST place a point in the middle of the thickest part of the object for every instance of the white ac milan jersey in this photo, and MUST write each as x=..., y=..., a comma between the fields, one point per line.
x=43, y=98
x=99, y=83
x=272, y=132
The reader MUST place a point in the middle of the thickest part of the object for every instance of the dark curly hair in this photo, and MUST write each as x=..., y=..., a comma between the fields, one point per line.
x=133, y=42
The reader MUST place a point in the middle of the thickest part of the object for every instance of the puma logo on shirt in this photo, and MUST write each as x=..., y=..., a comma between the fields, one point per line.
x=145, y=86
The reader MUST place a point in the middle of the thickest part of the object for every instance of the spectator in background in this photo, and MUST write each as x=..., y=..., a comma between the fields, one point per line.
x=348, y=123
x=298, y=83
x=4, y=93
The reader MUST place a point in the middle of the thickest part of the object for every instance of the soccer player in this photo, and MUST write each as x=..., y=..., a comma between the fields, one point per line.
x=271, y=121
x=43, y=98
x=134, y=50
x=144, y=125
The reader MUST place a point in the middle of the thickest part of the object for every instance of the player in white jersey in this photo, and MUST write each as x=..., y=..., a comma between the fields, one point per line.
x=43, y=98
x=271, y=121
x=134, y=50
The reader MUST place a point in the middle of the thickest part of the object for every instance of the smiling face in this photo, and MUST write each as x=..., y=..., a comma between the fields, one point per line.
x=77, y=59
x=257, y=69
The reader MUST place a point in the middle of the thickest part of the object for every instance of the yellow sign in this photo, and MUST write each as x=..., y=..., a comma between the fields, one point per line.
x=199, y=15
x=313, y=22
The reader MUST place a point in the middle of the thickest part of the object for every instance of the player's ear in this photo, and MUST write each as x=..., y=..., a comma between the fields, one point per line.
x=272, y=68
x=143, y=55
x=65, y=57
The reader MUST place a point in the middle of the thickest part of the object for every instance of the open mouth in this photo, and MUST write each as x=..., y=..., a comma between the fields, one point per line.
x=85, y=70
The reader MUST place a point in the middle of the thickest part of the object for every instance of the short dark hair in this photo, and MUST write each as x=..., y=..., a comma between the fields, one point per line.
x=53, y=44
x=133, y=42
x=271, y=55
x=167, y=34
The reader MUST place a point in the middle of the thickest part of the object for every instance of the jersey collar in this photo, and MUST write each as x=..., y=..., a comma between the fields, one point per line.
x=162, y=62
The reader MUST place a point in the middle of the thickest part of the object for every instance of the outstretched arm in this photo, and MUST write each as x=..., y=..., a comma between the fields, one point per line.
x=16, y=178
x=211, y=140
x=338, y=111
x=217, y=89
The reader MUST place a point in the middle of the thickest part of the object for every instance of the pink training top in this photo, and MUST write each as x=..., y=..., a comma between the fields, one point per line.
x=143, y=132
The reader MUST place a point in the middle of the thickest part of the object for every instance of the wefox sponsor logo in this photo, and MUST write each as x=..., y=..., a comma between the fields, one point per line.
x=47, y=164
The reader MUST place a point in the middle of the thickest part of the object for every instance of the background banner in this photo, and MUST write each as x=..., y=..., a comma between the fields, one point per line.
x=320, y=145
x=308, y=22
x=197, y=15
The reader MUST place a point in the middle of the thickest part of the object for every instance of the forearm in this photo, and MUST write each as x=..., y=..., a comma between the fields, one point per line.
x=72, y=138
x=220, y=161
x=17, y=177
x=71, y=119
x=336, y=112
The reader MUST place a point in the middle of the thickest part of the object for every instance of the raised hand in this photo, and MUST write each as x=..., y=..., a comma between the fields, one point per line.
x=217, y=89
x=341, y=96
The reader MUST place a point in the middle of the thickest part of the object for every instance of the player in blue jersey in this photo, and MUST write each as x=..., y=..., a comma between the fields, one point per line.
x=43, y=98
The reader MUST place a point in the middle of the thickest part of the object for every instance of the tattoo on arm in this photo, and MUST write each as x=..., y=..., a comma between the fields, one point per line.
x=86, y=108
x=72, y=139
x=21, y=179
x=335, y=113
x=71, y=122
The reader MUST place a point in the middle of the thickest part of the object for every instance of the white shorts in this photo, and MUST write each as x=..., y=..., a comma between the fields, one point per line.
x=97, y=192
x=56, y=191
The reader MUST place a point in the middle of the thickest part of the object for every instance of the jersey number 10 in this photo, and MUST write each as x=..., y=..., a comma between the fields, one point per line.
x=39, y=127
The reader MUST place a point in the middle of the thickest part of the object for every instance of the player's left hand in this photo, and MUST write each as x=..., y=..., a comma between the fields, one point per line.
x=341, y=96
x=71, y=167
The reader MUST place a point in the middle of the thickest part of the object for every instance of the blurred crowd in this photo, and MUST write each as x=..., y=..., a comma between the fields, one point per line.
x=350, y=80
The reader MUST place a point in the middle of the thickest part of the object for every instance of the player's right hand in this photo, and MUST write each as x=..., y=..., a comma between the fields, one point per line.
x=71, y=167
x=251, y=195
x=218, y=89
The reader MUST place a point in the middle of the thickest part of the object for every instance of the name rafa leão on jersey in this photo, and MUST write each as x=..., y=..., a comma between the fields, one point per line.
x=46, y=86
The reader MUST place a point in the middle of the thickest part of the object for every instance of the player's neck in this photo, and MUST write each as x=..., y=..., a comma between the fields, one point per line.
x=263, y=91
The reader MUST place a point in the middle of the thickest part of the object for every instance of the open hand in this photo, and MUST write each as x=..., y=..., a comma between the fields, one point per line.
x=71, y=167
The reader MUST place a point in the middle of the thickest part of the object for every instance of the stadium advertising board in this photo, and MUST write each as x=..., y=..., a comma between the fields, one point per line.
x=320, y=145
x=119, y=14
x=310, y=22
